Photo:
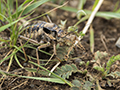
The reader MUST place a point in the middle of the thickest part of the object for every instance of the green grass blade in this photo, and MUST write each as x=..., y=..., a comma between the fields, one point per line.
x=11, y=5
x=18, y=61
x=10, y=62
x=18, y=48
x=111, y=61
x=81, y=20
x=3, y=16
x=1, y=42
x=8, y=56
x=95, y=4
x=52, y=73
x=80, y=7
x=2, y=46
x=33, y=6
x=106, y=15
x=71, y=9
x=10, y=24
x=16, y=9
x=92, y=40
x=13, y=53
x=81, y=4
x=26, y=1
x=20, y=8
x=9, y=11
x=116, y=6
x=118, y=11
x=55, y=80
x=28, y=46
x=58, y=79
x=0, y=9
x=30, y=7
x=4, y=40
x=34, y=59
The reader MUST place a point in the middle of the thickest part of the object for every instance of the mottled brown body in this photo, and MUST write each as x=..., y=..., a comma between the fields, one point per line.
x=43, y=32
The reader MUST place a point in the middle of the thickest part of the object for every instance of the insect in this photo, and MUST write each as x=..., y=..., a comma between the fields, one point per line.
x=43, y=33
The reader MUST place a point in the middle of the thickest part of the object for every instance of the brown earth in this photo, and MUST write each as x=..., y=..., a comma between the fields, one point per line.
x=108, y=30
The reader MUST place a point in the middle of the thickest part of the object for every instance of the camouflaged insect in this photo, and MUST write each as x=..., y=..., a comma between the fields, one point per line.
x=42, y=32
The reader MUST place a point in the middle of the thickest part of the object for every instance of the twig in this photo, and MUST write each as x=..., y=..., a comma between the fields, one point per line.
x=54, y=68
x=19, y=85
x=90, y=20
x=12, y=81
x=57, y=7
x=102, y=37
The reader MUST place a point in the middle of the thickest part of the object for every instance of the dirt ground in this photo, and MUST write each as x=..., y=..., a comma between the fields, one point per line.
x=106, y=30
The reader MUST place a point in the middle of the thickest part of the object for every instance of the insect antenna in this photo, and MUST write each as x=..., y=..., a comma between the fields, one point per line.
x=69, y=33
x=48, y=18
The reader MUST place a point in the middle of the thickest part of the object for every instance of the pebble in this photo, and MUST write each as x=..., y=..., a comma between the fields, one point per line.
x=25, y=64
x=118, y=43
x=32, y=85
x=74, y=3
x=78, y=60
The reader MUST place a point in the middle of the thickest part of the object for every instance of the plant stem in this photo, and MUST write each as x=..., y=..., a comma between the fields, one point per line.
x=90, y=20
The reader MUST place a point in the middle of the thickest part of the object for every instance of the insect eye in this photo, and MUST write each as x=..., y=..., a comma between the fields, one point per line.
x=46, y=30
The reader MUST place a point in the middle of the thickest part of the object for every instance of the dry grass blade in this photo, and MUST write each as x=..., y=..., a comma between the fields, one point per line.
x=103, y=39
x=92, y=39
x=23, y=51
x=25, y=8
x=6, y=56
x=54, y=68
x=25, y=82
x=90, y=19
x=57, y=7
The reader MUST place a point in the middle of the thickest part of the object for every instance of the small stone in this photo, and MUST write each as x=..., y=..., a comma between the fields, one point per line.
x=118, y=43
x=32, y=85
x=65, y=14
x=73, y=15
x=4, y=64
x=25, y=64
x=74, y=3
x=78, y=60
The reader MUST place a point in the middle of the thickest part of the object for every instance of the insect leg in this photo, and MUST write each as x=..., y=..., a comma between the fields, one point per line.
x=54, y=48
x=39, y=47
x=80, y=46
x=54, y=52
x=26, y=59
x=67, y=56
x=70, y=49
x=28, y=39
